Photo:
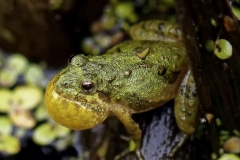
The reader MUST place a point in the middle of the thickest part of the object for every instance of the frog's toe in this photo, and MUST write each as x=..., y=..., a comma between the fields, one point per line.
x=133, y=147
x=128, y=151
x=138, y=155
x=121, y=155
x=184, y=138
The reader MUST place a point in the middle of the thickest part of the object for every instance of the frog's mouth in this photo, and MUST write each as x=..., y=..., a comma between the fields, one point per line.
x=74, y=114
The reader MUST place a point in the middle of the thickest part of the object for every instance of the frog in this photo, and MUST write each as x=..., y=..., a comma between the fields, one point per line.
x=134, y=76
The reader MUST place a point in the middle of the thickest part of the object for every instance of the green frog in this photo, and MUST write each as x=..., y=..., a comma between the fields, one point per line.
x=133, y=77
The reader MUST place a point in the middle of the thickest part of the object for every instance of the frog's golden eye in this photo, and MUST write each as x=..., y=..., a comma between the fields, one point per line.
x=88, y=86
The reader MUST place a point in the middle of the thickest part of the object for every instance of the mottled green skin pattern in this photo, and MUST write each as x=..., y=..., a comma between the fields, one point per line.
x=132, y=77
x=120, y=76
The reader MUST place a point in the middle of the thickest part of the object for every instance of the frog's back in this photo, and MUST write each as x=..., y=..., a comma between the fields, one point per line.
x=140, y=75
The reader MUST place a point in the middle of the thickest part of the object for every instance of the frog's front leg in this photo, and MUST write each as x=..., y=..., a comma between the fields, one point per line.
x=124, y=115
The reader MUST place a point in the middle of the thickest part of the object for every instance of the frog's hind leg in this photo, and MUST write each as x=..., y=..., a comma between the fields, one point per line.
x=184, y=138
x=124, y=115
x=186, y=109
x=129, y=149
x=186, y=105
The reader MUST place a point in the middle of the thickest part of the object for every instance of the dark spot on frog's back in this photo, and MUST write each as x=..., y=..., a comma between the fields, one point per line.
x=143, y=66
x=161, y=71
x=118, y=49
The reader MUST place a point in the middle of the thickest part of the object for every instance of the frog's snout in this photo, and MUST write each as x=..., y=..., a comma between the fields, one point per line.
x=72, y=114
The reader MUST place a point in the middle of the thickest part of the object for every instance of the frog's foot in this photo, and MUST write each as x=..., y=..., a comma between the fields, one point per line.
x=183, y=139
x=133, y=147
x=124, y=114
x=126, y=152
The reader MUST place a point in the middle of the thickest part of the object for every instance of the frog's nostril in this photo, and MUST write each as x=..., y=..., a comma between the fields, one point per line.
x=65, y=84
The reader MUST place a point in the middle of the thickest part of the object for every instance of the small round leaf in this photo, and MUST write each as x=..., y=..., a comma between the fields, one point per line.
x=5, y=99
x=22, y=118
x=7, y=78
x=228, y=156
x=28, y=96
x=44, y=134
x=223, y=49
x=9, y=144
x=6, y=125
x=17, y=63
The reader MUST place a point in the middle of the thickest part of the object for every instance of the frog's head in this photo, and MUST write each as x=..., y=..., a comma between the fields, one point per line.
x=72, y=100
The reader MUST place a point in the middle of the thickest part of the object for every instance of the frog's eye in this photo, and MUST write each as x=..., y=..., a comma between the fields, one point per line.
x=88, y=86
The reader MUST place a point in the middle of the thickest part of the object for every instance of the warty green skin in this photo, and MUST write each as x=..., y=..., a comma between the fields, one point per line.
x=120, y=76
x=132, y=77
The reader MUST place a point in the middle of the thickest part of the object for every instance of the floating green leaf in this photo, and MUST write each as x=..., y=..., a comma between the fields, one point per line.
x=62, y=143
x=55, y=4
x=9, y=144
x=17, y=63
x=232, y=145
x=22, y=118
x=28, y=96
x=6, y=125
x=223, y=49
x=61, y=131
x=5, y=99
x=236, y=11
x=44, y=134
x=20, y=132
x=7, y=78
x=227, y=156
x=209, y=45
x=126, y=10
x=41, y=113
x=34, y=74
